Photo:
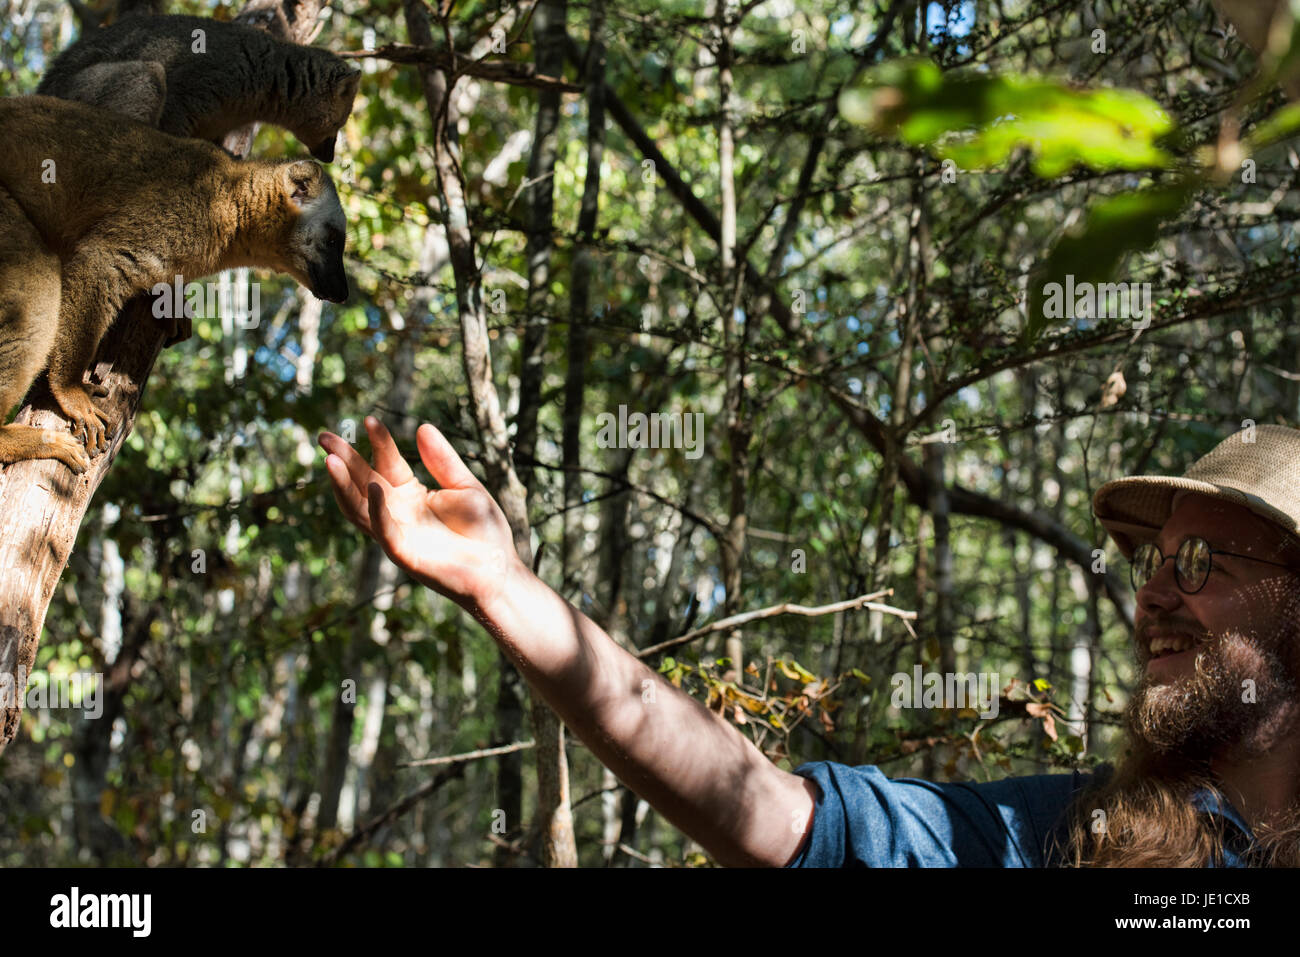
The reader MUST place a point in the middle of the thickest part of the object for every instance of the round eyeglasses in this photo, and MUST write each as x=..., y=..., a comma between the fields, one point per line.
x=1192, y=563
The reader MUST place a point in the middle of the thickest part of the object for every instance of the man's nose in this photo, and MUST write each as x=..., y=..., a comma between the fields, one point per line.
x=1161, y=589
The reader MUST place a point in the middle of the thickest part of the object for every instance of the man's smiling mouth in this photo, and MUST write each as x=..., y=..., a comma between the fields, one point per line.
x=1170, y=644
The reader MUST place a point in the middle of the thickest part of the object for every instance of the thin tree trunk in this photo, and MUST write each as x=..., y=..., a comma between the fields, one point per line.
x=92, y=737
x=943, y=599
x=738, y=427
x=900, y=399
x=238, y=764
x=1057, y=637
x=355, y=801
x=580, y=291
x=1093, y=643
x=554, y=814
x=549, y=33
x=343, y=715
x=941, y=587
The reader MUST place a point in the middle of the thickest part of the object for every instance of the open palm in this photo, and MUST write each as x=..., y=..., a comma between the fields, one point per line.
x=455, y=538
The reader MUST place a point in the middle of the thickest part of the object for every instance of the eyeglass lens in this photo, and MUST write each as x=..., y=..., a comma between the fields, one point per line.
x=1191, y=564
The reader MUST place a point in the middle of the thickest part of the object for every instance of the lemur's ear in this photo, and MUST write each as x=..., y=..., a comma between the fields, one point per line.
x=302, y=181
x=347, y=82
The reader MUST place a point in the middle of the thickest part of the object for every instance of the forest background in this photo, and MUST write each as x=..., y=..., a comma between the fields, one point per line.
x=673, y=208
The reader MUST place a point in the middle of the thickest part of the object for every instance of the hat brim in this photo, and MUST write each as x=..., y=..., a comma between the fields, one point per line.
x=1135, y=508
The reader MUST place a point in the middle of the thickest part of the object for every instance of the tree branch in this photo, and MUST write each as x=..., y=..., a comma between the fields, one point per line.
x=785, y=608
x=469, y=755
x=458, y=65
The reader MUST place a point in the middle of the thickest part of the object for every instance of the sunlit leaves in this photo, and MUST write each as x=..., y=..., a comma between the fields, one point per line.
x=1281, y=125
x=978, y=120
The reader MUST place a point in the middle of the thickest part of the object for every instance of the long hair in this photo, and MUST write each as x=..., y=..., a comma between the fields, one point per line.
x=1140, y=814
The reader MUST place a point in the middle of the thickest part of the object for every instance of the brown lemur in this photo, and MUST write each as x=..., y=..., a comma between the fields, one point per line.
x=96, y=208
x=192, y=76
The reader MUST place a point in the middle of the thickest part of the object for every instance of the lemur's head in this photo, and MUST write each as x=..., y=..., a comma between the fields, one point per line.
x=312, y=251
x=318, y=127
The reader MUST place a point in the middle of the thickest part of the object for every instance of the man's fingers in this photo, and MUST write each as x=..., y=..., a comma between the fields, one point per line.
x=387, y=532
x=442, y=461
x=350, y=501
x=358, y=468
x=388, y=460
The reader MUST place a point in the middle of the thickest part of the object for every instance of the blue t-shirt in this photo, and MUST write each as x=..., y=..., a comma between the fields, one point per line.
x=864, y=819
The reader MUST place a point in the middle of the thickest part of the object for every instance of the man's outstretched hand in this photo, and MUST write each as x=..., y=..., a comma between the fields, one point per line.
x=454, y=539
x=691, y=764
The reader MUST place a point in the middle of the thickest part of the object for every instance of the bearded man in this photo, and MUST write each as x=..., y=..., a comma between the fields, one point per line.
x=1212, y=771
x=1210, y=777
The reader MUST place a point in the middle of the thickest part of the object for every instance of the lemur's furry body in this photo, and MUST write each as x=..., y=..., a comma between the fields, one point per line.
x=129, y=207
x=146, y=67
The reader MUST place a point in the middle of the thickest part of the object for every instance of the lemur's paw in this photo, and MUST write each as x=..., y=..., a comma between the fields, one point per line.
x=67, y=450
x=88, y=422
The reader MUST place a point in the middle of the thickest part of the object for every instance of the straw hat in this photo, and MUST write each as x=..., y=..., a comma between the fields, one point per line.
x=1258, y=468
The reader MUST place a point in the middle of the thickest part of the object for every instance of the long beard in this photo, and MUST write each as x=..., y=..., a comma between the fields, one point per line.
x=1241, y=696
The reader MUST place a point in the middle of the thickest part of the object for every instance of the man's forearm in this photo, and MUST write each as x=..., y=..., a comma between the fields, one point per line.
x=694, y=767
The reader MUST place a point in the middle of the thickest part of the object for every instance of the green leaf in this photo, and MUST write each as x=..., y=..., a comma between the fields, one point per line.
x=1280, y=125
x=977, y=119
x=804, y=674
x=1091, y=254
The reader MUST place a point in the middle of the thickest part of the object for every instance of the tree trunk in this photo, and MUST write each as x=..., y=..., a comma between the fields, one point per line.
x=92, y=739
x=738, y=426
x=580, y=293
x=549, y=31
x=549, y=34
x=554, y=815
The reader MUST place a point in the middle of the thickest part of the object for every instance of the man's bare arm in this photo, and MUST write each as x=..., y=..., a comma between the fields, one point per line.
x=689, y=763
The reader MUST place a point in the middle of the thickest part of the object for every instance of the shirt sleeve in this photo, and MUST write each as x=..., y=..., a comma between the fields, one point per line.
x=864, y=819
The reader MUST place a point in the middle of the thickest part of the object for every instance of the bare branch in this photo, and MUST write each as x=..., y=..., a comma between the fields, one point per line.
x=785, y=608
x=469, y=755
x=458, y=65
